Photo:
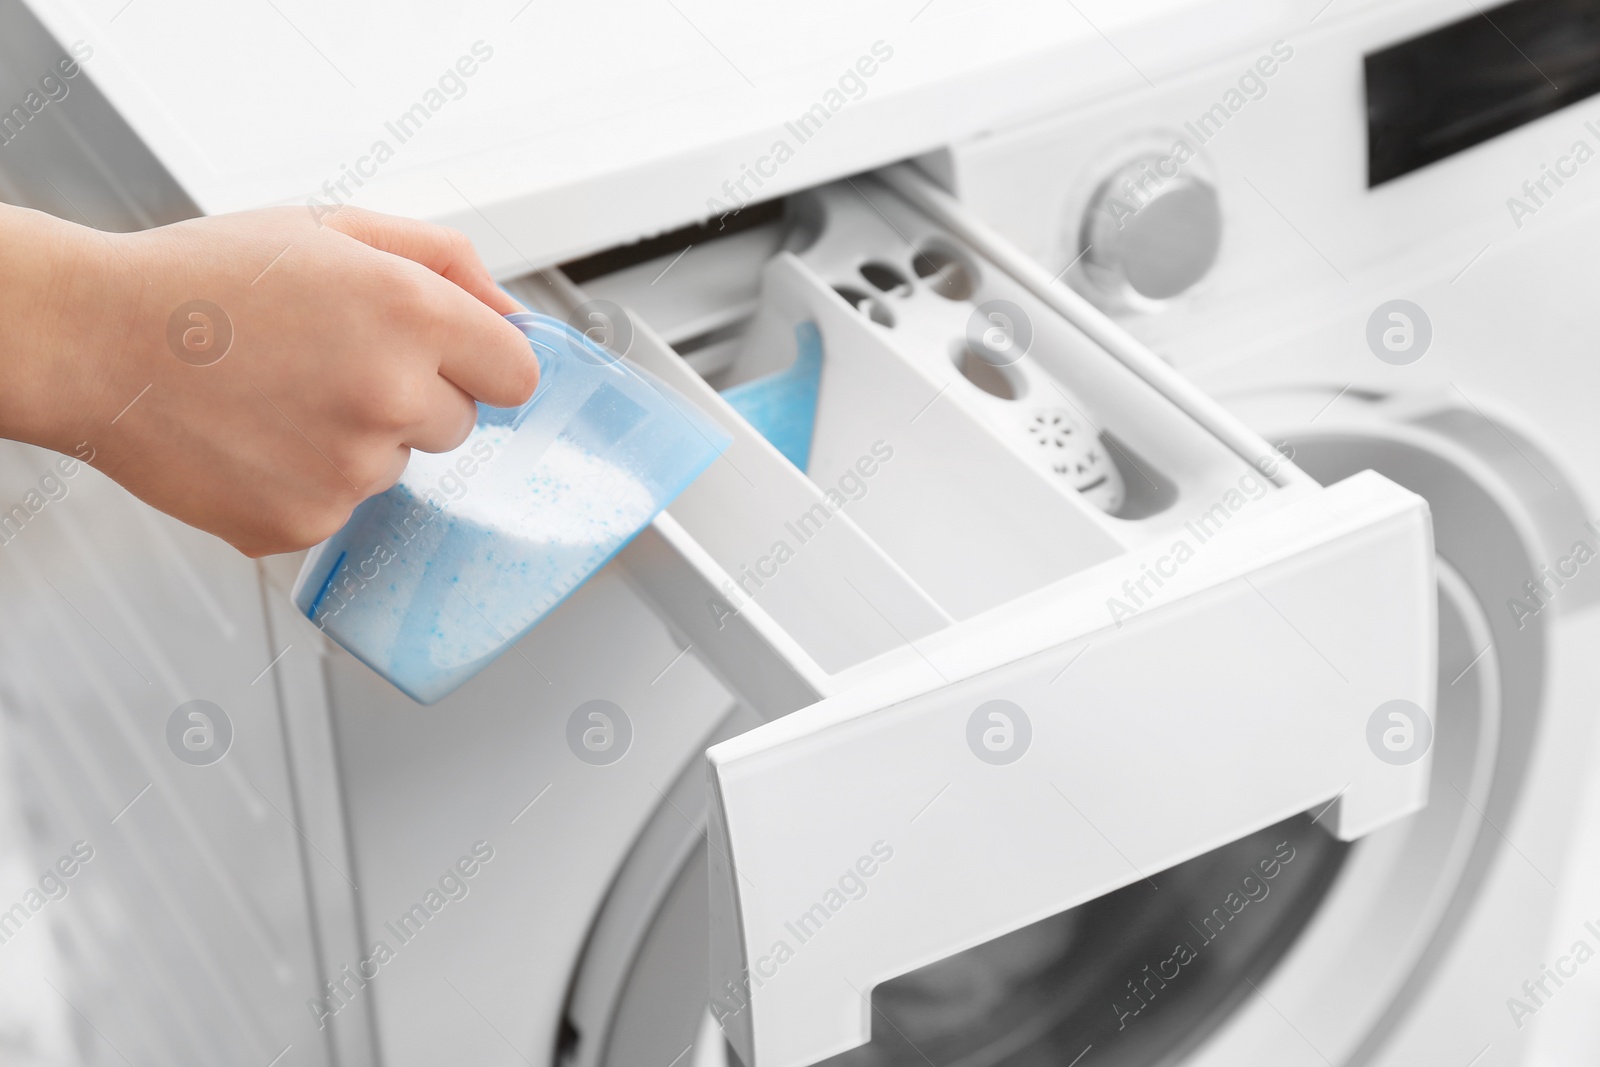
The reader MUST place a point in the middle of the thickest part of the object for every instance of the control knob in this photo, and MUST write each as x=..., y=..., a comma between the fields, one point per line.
x=1151, y=230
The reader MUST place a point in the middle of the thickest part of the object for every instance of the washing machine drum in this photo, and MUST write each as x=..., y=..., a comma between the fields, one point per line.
x=1170, y=969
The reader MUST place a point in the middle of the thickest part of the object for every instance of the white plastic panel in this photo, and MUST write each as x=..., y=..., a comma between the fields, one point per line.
x=585, y=125
x=970, y=522
x=185, y=938
x=750, y=501
x=1239, y=698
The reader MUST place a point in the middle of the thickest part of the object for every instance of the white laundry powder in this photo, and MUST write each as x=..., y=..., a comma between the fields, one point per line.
x=508, y=545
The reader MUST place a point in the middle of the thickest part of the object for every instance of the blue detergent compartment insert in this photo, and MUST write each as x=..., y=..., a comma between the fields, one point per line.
x=434, y=578
x=782, y=407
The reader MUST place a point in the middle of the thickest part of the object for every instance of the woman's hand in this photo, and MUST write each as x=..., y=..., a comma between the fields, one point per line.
x=256, y=375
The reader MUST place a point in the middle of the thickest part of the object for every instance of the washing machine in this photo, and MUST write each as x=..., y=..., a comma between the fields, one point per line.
x=1167, y=642
x=1291, y=265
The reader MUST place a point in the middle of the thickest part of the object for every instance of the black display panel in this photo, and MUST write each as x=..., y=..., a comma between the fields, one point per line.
x=1435, y=95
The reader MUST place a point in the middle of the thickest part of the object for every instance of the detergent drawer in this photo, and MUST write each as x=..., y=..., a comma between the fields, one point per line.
x=1029, y=618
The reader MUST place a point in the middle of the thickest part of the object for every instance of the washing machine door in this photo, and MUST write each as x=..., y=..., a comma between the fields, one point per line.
x=1199, y=960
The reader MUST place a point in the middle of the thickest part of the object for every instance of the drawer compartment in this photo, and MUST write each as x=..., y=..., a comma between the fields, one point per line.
x=974, y=542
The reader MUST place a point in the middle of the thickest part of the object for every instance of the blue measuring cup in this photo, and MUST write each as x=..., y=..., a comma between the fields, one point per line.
x=434, y=578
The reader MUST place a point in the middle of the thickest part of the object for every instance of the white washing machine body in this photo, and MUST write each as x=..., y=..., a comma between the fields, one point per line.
x=365, y=881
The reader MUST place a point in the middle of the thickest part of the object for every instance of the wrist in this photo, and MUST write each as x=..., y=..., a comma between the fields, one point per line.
x=64, y=291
